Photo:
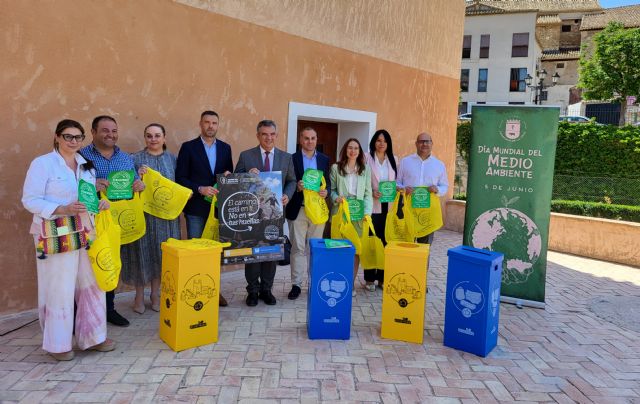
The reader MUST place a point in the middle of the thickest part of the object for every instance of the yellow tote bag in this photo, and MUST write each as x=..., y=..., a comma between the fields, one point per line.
x=425, y=220
x=104, y=252
x=337, y=220
x=162, y=197
x=372, y=249
x=315, y=206
x=348, y=231
x=341, y=226
x=211, y=229
x=128, y=214
x=397, y=229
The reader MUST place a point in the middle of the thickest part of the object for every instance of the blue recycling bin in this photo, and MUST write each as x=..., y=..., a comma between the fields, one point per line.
x=472, y=306
x=330, y=286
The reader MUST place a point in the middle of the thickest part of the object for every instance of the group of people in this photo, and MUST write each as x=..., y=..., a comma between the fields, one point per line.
x=69, y=299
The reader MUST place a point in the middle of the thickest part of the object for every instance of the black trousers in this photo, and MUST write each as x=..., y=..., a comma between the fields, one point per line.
x=259, y=276
x=110, y=296
x=379, y=220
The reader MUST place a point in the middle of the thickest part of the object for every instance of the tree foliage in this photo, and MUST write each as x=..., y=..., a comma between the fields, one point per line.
x=610, y=67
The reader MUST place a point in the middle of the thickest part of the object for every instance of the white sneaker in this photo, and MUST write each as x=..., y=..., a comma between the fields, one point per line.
x=353, y=294
x=370, y=287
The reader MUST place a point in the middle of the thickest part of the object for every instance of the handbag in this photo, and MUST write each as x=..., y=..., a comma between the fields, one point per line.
x=211, y=229
x=315, y=207
x=66, y=233
x=425, y=220
x=347, y=230
x=372, y=249
x=162, y=197
x=104, y=253
x=128, y=214
x=287, y=252
x=397, y=229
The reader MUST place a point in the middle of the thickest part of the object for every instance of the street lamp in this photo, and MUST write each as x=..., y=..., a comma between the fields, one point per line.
x=538, y=88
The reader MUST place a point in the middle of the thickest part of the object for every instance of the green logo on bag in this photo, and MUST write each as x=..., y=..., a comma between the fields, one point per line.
x=312, y=179
x=87, y=191
x=421, y=198
x=388, y=191
x=120, y=180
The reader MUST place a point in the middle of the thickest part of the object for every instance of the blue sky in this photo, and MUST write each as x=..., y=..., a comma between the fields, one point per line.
x=617, y=3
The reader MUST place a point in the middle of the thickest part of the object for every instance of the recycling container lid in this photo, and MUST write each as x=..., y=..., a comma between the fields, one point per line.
x=475, y=255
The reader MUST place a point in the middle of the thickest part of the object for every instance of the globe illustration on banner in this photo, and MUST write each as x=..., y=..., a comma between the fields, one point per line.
x=513, y=233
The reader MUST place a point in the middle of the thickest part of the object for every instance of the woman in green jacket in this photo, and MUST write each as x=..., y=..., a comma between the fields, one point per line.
x=351, y=179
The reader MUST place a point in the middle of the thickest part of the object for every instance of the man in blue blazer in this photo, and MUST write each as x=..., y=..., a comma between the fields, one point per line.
x=266, y=157
x=199, y=161
x=301, y=229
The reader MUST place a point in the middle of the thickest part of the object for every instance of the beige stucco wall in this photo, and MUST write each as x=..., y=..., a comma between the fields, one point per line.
x=603, y=239
x=393, y=30
x=158, y=60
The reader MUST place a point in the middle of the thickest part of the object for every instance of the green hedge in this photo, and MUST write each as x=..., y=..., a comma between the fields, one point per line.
x=598, y=150
x=584, y=148
x=597, y=209
x=596, y=163
x=590, y=209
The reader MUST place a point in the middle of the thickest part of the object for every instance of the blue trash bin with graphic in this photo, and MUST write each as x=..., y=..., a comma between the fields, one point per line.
x=330, y=286
x=472, y=306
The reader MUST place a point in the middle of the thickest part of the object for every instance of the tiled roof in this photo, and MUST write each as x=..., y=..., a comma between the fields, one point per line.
x=561, y=54
x=475, y=7
x=549, y=19
x=629, y=16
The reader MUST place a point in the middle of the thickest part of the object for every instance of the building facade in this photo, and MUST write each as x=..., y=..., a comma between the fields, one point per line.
x=553, y=31
x=353, y=66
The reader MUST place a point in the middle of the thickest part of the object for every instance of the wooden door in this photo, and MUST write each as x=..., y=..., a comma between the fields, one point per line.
x=327, y=137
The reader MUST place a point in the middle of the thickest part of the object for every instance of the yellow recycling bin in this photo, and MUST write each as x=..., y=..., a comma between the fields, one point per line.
x=405, y=288
x=189, y=293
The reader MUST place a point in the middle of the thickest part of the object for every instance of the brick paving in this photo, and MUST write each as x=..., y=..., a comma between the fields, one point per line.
x=564, y=353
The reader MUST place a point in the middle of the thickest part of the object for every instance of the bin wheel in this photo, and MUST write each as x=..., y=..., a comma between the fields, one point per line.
x=403, y=302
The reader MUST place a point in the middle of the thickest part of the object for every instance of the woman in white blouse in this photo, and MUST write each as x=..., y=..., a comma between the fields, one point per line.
x=50, y=192
x=383, y=165
x=351, y=178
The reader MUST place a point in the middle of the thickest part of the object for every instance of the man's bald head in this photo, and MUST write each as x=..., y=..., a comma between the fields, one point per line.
x=424, y=144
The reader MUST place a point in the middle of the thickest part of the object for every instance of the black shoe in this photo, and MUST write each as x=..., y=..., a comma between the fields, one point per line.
x=252, y=299
x=222, y=302
x=115, y=318
x=267, y=297
x=295, y=292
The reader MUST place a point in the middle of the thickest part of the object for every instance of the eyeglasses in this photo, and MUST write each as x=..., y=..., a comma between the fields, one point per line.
x=68, y=138
x=424, y=141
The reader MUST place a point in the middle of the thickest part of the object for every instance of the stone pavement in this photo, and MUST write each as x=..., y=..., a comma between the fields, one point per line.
x=564, y=353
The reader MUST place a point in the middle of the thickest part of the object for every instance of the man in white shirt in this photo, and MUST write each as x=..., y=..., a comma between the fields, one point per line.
x=423, y=169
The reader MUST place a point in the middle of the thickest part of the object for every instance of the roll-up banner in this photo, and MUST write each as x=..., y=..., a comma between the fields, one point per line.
x=509, y=193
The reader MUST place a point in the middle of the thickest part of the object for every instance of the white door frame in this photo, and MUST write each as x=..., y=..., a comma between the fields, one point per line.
x=351, y=122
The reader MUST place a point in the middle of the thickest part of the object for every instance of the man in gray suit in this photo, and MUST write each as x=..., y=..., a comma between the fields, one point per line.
x=266, y=157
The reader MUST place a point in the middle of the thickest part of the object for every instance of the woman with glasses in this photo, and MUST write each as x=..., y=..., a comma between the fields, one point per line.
x=142, y=259
x=65, y=275
x=383, y=165
x=351, y=179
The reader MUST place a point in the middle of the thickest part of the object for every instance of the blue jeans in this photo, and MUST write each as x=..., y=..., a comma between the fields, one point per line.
x=195, y=226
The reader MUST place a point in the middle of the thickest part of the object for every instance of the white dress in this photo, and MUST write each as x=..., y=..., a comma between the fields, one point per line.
x=66, y=277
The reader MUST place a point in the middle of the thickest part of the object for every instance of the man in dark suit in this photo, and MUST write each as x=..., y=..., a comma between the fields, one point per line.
x=301, y=229
x=266, y=157
x=199, y=161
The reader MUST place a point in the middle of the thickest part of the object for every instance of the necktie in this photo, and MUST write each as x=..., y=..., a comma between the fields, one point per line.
x=267, y=166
